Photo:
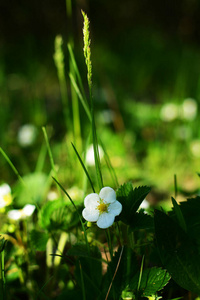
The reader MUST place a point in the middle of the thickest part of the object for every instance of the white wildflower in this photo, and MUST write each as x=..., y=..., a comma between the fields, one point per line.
x=195, y=148
x=5, y=195
x=189, y=109
x=27, y=135
x=169, y=112
x=102, y=208
x=18, y=214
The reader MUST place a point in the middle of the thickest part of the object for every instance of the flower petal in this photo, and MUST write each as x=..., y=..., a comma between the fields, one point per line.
x=15, y=214
x=91, y=200
x=90, y=214
x=115, y=208
x=105, y=220
x=28, y=210
x=107, y=194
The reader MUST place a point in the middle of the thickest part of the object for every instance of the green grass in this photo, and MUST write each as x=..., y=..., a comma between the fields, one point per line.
x=55, y=253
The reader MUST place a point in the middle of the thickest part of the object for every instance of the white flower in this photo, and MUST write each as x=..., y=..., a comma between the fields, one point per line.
x=189, y=109
x=195, y=148
x=144, y=205
x=90, y=155
x=5, y=195
x=18, y=214
x=169, y=112
x=102, y=208
x=27, y=135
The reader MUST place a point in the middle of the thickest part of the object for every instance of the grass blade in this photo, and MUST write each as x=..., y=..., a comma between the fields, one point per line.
x=75, y=67
x=49, y=151
x=114, y=273
x=109, y=165
x=83, y=227
x=12, y=166
x=84, y=168
x=80, y=96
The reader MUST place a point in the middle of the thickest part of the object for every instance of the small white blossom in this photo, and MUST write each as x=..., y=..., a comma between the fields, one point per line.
x=102, y=208
x=144, y=205
x=90, y=155
x=189, y=109
x=18, y=214
x=169, y=112
x=195, y=148
x=5, y=195
x=27, y=135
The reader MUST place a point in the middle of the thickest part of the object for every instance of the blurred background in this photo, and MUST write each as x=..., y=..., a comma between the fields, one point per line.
x=146, y=88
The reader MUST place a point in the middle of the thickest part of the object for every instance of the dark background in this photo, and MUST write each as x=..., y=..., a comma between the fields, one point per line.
x=132, y=33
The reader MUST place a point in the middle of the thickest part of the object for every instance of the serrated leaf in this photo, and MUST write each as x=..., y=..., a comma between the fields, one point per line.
x=57, y=215
x=152, y=280
x=191, y=212
x=142, y=220
x=38, y=239
x=179, y=214
x=130, y=200
x=178, y=252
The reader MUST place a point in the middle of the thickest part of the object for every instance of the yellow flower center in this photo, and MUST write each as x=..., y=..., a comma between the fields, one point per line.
x=102, y=207
x=7, y=199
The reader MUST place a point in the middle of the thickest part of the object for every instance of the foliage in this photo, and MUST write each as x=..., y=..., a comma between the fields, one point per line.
x=52, y=253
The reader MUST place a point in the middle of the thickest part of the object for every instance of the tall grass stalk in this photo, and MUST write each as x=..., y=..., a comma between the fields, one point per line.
x=140, y=276
x=117, y=267
x=75, y=67
x=59, y=62
x=82, y=225
x=12, y=166
x=78, y=87
x=2, y=277
x=50, y=156
x=87, y=54
x=76, y=116
x=49, y=152
x=41, y=159
x=84, y=168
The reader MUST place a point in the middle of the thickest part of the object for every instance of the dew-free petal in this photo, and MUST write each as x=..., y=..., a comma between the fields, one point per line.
x=107, y=194
x=28, y=210
x=91, y=200
x=15, y=214
x=105, y=220
x=90, y=214
x=115, y=208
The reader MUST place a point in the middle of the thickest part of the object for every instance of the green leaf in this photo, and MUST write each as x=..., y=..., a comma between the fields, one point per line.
x=130, y=200
x=178, y=252
x=39, y=239
x=142, y=220
x=191, y=213
x=152, y=280
x=88, y=269
x=57, y=215
x=179, y=215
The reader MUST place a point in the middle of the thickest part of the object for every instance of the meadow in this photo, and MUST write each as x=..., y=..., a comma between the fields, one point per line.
x=99, y=194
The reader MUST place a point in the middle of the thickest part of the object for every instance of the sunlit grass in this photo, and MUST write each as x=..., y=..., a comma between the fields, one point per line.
x=62, y=158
